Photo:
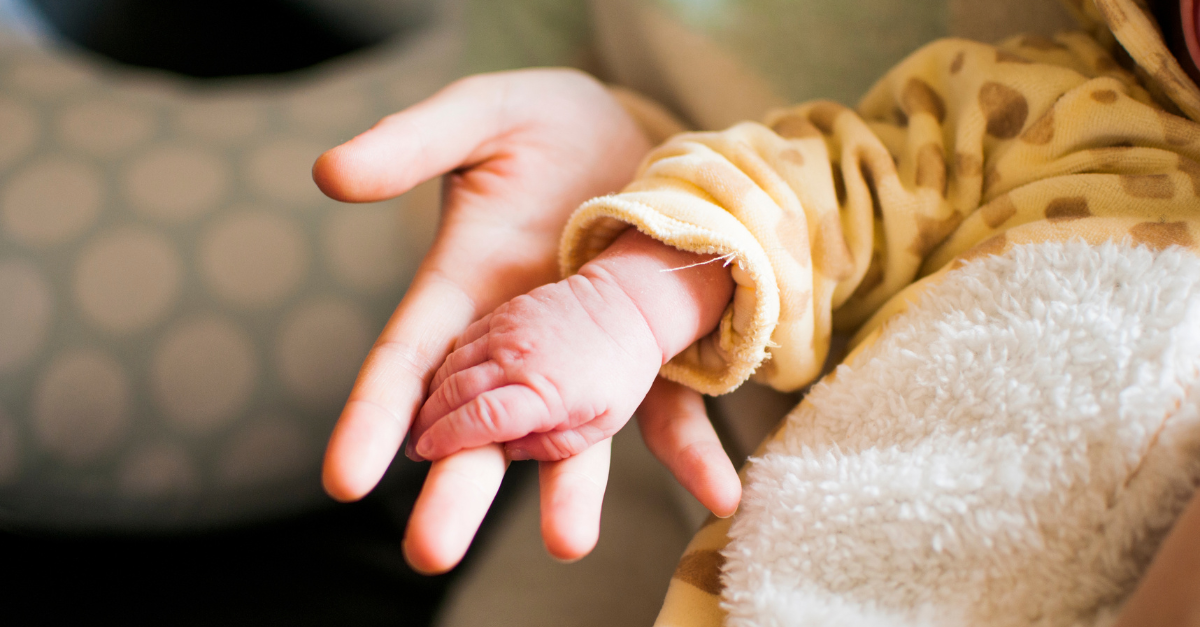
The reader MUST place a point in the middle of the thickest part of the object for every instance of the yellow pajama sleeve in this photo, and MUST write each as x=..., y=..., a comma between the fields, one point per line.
x=828, y=215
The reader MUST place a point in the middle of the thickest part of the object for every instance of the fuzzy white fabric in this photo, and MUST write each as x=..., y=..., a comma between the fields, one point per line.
x=1011, y=452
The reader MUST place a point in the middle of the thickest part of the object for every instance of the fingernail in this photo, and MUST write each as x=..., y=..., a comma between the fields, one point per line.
x=410, y=451
x=423, y=447
x=516, y=453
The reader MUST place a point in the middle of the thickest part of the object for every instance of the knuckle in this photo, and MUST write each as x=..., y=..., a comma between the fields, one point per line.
x=440, y=377
x=400, y=358
x=551, y=409
x=515, y=356
x=453, y=392
x=552, y=449
x=488, y=413
x=560, y=445
x=516, y=311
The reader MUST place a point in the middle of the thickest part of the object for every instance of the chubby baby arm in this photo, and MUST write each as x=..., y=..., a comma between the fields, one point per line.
x=558, y=369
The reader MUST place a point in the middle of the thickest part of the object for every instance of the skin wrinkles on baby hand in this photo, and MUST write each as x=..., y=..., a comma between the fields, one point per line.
x=571, y=360
x=519, y=151
x=559, y=369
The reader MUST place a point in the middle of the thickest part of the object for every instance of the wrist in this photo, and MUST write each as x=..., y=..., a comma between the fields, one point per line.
x=680, y=295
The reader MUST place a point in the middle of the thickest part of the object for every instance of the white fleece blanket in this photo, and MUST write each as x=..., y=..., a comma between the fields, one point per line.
x=1009, y=453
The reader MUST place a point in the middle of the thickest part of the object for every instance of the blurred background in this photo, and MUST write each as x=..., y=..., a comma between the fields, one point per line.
x=182, y=312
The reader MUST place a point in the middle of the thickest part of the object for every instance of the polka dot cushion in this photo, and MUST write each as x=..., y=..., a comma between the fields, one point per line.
x=182, y=312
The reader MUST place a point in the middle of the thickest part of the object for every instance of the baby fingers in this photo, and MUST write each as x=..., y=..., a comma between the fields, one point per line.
x=499, y=415
x=461, y=359
x=476, y=330
x=454, y=391
x=558, y=445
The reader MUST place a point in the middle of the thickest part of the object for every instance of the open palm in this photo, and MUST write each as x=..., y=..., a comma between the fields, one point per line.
x=520, y=151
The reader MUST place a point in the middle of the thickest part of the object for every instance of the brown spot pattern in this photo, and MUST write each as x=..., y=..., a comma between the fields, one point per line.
x=1069, y=208
x=998, y=211
x=830, y=251
x=991, y=246
x=823, y=115
x=932, y=231
x=792, y=231
x=793, y=305
x=1040, y=132
x=1106, y=159
x=1192, y=170
x=991, y=178
x=1178, y=131
x=702, y=569
x=873, y=277
x=1159, y=235
x=1005, y=109
x=1148, y=185
x=795, y=127
x=1104, y=96
x=919, y=97
x=967, y=165
x=931, y=168
x=957, y=64
x=1004, y=56
x=792, y=156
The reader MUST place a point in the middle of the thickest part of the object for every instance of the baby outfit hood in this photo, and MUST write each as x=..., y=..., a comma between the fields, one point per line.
x=1131, y=25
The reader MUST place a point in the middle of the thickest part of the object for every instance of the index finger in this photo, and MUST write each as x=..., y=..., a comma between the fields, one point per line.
x=391, y=385
x=456, y=496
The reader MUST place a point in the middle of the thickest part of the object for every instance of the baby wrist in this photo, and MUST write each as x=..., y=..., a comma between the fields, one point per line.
x=680, y=295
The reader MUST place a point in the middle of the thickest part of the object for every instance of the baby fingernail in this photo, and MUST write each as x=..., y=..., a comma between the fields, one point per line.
x=410, y=451
x=517, y=454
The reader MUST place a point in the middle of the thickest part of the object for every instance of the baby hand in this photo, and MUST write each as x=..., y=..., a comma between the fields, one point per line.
x=567, y=363
x=563, y=367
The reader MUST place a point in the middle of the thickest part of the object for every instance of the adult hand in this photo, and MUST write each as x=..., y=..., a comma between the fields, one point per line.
x=520, y=150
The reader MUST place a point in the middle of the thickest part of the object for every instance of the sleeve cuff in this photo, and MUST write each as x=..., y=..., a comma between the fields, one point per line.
x=723, y=360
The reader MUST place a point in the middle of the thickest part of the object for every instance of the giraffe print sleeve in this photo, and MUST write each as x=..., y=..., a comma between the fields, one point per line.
x=962, y=150
x=825, y=212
